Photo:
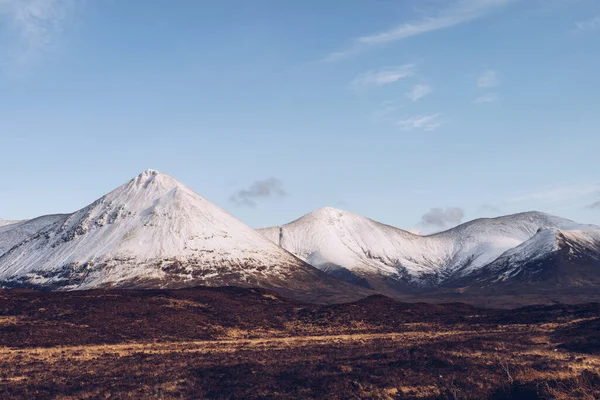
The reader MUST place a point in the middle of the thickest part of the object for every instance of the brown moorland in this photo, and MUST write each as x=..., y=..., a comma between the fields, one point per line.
x=252, y=343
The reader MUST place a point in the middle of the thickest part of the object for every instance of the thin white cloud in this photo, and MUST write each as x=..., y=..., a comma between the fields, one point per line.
x=419, y=91
x=459, y=12
x=421, y=122
x=487, y=98
x=589, y=25
x=488, y=79
x=559, y=193
x=384, y=76
x=35, y=24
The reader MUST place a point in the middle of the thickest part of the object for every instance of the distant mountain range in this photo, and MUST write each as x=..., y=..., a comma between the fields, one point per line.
x=153, y=232
x=530, y=248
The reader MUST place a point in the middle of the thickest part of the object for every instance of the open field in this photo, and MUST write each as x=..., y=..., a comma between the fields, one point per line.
x=244, y=343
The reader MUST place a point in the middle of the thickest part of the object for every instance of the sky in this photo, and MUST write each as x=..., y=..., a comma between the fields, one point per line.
x=421, y=114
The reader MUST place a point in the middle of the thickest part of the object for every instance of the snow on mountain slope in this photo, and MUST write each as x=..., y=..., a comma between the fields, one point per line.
x=151, y=232
x=329, y=237
x=334, y=240
x=545, y=244
x=4, y=222
x=14, y=232
x=483, y=240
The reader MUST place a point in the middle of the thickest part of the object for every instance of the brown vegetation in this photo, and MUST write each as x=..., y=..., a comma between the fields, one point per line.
x=250, y=343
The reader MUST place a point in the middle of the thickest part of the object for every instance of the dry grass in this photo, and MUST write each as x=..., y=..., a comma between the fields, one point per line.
x=11, y=320
x=257, y=345
x=536, y=364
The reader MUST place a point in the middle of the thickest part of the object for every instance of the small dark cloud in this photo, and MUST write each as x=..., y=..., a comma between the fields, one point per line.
x=595, y=206
x=440, y=218
x=267, y=188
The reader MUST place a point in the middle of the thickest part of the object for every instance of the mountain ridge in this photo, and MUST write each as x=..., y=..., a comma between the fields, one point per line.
x=155, y=232
x=359, y=249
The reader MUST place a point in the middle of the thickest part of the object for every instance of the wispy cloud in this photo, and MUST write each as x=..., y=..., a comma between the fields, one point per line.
x=488, y=79
x=419, y=91
x=442, y=218
x=262, y=189
x=487, y=98
x=459, y=12
x=421, y=122
x=384, y=76
x=589, y=25
x=559, y=193
x=34, y=24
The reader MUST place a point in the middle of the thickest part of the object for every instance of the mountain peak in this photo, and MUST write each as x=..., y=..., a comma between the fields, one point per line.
x=328, y=211
x=149, y=175
x=324, y=214
x=151, y=232
x=150, y=171
x=150, y=180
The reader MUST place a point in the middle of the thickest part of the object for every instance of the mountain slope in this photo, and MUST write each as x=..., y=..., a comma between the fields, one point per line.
x=551, y=259
x=349, y=246
x=14, y=232
x=155, y=232
x=5, y=222
x=364, y=251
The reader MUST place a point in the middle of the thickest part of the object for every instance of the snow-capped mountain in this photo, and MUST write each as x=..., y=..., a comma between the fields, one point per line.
x=380, y=256
x=14, y=232
x=552, y=257
x=151, y=232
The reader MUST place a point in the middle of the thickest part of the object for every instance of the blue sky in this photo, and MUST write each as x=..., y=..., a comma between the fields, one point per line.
x=416, y=113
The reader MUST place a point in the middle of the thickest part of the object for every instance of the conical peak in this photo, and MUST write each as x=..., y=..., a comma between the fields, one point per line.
x=150, y=176
x=330, y=210
x=149, y=172
x=141, y=191
x=147, y=175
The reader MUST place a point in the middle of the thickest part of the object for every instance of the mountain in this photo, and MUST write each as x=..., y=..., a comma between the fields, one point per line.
x=14, y=232
x=153, y=232
x=374, y=255
x=551, y=259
